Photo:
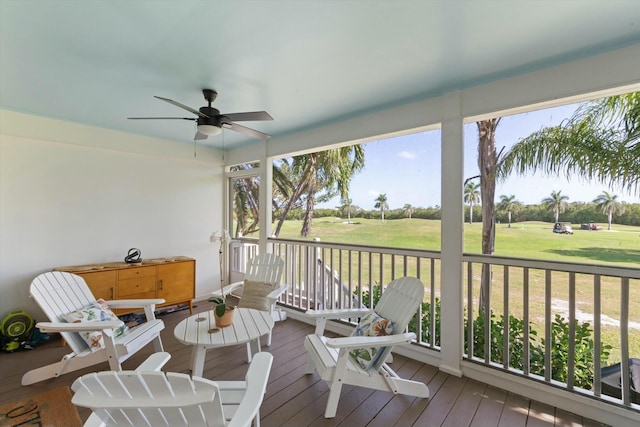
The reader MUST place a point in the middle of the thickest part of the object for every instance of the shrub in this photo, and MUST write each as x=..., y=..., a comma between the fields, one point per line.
x=583, y=347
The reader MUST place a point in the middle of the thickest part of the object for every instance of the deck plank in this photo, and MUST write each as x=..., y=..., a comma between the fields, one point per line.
x=490, y=408
x=515, y=411
x=541, y=415
x=466, y=405
x=441, y=403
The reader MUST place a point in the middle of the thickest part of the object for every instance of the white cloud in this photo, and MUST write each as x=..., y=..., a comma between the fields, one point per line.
x=407, y=155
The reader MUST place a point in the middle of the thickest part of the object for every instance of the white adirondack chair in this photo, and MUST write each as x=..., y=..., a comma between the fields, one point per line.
x=58, y=293
x=265, y=268
x=330, y=357
x=156, y=399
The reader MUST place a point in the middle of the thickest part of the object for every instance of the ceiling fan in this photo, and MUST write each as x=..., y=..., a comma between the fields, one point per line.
x=210, y=121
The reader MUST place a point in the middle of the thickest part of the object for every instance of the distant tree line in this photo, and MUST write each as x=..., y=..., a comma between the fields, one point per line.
x=575, y=213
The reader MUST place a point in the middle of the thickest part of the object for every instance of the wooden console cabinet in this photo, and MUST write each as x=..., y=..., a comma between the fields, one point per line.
x=171, y=278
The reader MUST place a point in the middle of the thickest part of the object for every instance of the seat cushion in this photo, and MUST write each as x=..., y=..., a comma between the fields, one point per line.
x=95, y=312
x=254, y=295
x=370, y=325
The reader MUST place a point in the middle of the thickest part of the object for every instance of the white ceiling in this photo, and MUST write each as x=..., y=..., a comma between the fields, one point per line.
x=306, y=62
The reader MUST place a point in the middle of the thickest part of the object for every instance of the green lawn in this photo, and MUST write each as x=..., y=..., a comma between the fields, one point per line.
x=534, y=240
x=524, y=240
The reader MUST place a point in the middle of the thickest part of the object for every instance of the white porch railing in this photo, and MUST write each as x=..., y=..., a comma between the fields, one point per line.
x=553, y=299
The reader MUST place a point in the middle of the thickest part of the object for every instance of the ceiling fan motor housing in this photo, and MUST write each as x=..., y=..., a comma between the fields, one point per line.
x=214, y=118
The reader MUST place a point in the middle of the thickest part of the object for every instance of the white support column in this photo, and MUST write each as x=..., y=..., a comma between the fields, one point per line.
x=265, y=211
x=452, y=234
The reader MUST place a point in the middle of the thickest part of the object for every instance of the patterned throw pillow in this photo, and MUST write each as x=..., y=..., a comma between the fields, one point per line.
x=98, y=311
x=254, y=295
x=371, y=325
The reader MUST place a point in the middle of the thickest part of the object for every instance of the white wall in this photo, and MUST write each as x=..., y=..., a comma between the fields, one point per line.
x=73, y=194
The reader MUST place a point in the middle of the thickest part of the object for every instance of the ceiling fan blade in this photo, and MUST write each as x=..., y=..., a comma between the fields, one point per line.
x=247, y=131
x=161, y=118
x=249, y=116
x=200, y=136
x=177, y=104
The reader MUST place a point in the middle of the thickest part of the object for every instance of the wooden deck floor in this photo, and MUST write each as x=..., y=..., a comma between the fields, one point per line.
x=296, y=399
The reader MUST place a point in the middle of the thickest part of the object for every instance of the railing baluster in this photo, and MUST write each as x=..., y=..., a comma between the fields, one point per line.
x=597, y=344
x=571, y=353
x=526, y=363
x=547, y=325
x=405, y=271
x=432, y=320
x=419, y=327
x=624, y=340
x=487, y=324
x=470, y=333
x=370, y=302
x=381, y=278
x=505, y=317
x=393, y=267
x=350, y=278
x=329, y=283
x=360, y=278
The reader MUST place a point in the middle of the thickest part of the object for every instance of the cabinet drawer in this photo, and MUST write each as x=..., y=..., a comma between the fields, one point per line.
x=133, y=272
x=137, y=285
x=102, y=283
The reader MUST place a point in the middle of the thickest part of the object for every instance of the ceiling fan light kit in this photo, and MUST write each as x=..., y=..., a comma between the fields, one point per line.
x=209, y=130
x=210, y=121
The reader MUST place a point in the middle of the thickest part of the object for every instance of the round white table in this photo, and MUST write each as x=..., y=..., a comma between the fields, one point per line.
x=201, y=332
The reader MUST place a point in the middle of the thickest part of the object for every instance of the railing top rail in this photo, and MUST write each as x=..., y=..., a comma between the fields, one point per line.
x=544, y=264
x=362, y=248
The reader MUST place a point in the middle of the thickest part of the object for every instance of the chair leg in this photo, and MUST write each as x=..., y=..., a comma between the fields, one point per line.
x=249, y=355
x=269, y=339
x=332, y=402
x=310, y=367
x=157, y=345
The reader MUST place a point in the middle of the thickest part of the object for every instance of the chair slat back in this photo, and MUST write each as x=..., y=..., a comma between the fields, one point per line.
x=134, y=398
x=399, y=302
x=265, y=268
x=158, y=399
x=58, y=293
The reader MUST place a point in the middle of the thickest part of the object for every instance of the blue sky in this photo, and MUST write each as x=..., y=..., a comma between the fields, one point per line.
x=407, y=168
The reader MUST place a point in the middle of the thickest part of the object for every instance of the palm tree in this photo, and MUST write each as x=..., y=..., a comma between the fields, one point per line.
x=557, y=202
x=509, y=204
x=471, y=197
x=246, y=201
x=408, y=210
x=347, y=208
x=601, y=142
x=330, y=171
x=381, y=203
x=488, y=165
x=609, y=205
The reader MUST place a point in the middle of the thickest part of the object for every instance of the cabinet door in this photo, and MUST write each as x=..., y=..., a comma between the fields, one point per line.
x=176, y=281
x=102, y=283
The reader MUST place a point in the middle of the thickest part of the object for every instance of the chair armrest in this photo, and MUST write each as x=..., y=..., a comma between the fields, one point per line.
x=322, y=316
x=227, y=289
x=357, y=342
x=48, y=327
x=155, y=362
x=275, y=294
x=134, y=303
x=340, y=313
